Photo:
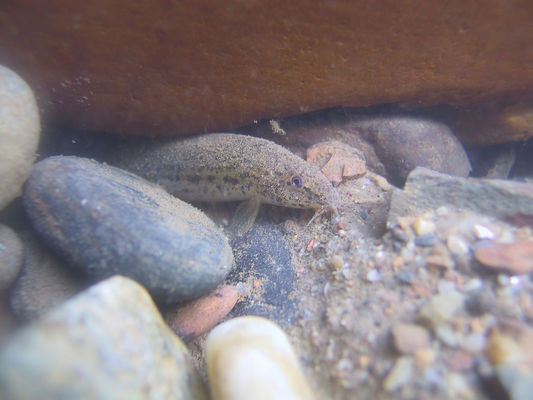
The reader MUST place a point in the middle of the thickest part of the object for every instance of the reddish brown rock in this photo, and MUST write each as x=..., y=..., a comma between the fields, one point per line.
x=197, y=317
x=337, y=160
x=163, y=67
x=513, y=258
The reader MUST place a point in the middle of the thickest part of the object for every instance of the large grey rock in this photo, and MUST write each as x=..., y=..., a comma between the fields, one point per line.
x=109, y=342
x=107, y=221
x=426, y=190
x=19, y=134
x=403, y=143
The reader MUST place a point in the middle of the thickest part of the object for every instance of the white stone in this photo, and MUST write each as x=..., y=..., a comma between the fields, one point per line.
x=251, y=358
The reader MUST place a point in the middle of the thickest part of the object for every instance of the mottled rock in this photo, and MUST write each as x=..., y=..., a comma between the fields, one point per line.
x=252, y=358
x=106, y=221
x=404, y=143
x=337, y=161
x=427, y=190
x=513, y=258
x=10, y=257
x=44, y=282
x=232, y=63
x=199, y=316
x=19, y=134
x=109, y=342
x=408, y=338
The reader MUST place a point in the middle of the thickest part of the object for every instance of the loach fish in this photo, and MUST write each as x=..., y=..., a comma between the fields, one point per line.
x=231, y=167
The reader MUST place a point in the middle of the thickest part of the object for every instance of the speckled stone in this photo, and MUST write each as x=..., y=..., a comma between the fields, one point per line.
x=19, y=134
x=106, y=221
x=109, y=342
x=10, y=256
x=251, y=358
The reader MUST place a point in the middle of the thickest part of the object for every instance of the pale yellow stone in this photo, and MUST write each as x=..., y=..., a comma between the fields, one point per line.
x=423, y=226
x=250, y=358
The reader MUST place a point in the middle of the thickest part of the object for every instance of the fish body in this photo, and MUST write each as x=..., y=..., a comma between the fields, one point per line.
x=231, y=167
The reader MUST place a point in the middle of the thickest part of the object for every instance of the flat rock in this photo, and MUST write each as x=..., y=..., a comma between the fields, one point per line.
x=163, y=68
x=45, y=281
x=10, y=256
x=106, y=221
x=109, y=342
x=19, y=134
x=427, y=190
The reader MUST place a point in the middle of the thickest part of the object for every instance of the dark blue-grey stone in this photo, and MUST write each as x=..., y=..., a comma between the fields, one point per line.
x=263, y=254
x=107, y=221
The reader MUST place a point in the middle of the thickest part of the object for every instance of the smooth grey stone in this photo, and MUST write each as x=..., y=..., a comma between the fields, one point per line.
x=427, y=190
x=403, y=143
x=106, y=221
x=10, y=257
x=44, y=282
x=109, y=342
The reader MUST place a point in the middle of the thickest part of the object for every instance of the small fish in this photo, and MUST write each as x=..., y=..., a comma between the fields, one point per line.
x=231, y=167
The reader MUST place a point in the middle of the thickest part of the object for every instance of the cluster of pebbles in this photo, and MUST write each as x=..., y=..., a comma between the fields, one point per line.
x=418, y=292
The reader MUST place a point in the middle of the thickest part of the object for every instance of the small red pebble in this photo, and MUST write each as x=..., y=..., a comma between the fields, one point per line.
x=513, y=258
x=257, y=284
x=199, y=316
x=310, y=245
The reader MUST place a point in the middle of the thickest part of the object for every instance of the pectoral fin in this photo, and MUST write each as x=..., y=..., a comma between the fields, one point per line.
x=244, y=216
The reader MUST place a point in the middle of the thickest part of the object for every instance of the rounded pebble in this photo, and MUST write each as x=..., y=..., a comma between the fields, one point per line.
x=513, y=258
x=10, y=257
x=199, y=316
x=109, y=342
x=251, y=358
x=409, y=338
x=19, y=134
x=106, y=221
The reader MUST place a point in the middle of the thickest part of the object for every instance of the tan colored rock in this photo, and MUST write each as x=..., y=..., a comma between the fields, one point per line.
x=19, y=133
x=162, y=68
x=409, y=338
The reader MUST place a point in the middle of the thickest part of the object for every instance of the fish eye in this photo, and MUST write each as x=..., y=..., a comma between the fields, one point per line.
x=297, y=181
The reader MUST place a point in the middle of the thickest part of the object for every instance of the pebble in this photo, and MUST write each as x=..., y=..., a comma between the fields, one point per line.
x=19, y=134
x=109, y=342
x=373, y=276
x=409, y=338
x=426, y=240
x=423, y=226
x=199, y=316
x=106, y=221
x=513, y=258
x=251, y=358
x=44, y=282
x=441, y=307
x=447, y=336
x=10, y=257
x=457, y=245
x=403, y=143
x=401, y=374
x=426, y=190
x=337, y=160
